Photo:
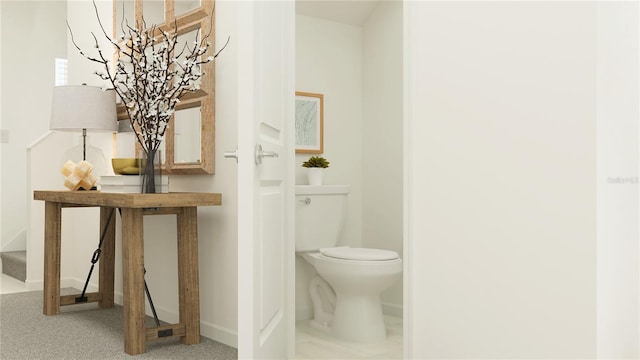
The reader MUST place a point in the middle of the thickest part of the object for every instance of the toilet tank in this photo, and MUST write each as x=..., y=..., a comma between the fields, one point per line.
x=320, y=213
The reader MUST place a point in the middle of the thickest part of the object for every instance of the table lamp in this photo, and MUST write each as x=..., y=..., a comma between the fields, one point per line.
x=82, y=107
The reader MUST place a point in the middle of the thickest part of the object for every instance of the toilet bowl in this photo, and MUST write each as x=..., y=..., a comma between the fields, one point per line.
x=358, y=284
x=346, y=293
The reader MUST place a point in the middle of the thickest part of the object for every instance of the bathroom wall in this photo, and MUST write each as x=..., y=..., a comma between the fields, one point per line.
x=329, y=61
x=382, y=136
x=359, y=69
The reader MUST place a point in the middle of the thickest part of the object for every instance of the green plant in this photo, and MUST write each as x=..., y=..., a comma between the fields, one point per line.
x=316, y=162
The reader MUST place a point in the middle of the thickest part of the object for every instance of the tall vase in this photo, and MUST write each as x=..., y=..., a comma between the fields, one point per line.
x=150, y=171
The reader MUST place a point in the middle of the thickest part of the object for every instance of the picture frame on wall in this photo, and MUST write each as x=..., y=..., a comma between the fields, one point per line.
x=309, y=123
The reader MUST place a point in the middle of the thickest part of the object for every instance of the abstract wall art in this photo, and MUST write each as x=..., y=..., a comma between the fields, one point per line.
x=309, y=123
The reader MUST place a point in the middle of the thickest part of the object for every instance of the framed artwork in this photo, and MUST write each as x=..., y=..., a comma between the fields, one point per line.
x=309, y=123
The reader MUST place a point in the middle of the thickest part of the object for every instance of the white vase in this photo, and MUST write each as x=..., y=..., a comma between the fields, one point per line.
x=315, y=176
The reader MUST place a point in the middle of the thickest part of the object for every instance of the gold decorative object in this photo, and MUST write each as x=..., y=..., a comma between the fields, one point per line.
x=127, y=166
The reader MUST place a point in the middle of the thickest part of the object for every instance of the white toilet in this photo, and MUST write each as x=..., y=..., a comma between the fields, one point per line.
x=346, y=295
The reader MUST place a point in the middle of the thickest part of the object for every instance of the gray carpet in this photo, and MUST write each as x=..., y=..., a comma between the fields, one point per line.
x=82, y=332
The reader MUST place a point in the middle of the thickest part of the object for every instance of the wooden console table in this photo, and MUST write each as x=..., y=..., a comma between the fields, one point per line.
x=133, y=207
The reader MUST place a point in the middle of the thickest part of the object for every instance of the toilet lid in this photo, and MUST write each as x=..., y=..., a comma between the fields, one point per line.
x=349, y=253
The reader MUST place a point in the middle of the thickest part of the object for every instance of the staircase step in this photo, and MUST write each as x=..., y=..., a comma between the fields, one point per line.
x=14, y=264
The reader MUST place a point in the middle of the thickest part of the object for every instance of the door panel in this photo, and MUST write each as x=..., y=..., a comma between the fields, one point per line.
x=265, y=188
x=271, y=274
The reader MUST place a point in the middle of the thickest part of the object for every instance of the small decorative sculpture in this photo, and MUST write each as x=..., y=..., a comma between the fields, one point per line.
x=78, y=176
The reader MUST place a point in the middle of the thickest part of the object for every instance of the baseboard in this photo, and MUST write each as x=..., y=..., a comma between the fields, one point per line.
x=34, y=285
x=306, y=312
x=218, y=333
x=392, y=310
x=207, y=329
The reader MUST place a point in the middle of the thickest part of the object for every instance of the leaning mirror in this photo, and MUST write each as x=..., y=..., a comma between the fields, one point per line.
x=186, y=143
x=185, y=6
x=153, y=12
x=189, y=139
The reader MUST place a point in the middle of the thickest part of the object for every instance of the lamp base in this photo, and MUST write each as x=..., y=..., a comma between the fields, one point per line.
x=92, y=155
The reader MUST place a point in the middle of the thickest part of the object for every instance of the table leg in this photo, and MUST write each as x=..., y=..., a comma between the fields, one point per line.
x=107, y=257
x=188, y=282
x=52, y=247
x=133, y=281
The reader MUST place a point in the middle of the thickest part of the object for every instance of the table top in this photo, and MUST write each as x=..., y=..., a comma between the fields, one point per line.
x=129, y=200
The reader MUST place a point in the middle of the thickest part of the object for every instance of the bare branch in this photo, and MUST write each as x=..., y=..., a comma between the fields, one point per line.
x=151, y=74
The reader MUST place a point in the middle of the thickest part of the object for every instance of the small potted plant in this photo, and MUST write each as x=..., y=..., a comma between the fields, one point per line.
x=316, y=166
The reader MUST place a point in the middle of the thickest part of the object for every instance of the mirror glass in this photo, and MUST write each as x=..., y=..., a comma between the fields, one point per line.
x=187, y=135
x=184, y=6
x=190, y=40
x=153, y=12
x=125, y=15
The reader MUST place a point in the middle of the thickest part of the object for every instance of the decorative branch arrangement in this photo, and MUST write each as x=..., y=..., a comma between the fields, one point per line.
x=152, y=72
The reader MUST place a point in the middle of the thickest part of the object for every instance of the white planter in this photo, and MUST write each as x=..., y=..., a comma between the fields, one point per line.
x=315, y=176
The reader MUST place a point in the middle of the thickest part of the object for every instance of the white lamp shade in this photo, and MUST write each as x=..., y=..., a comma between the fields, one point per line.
x=79, y=107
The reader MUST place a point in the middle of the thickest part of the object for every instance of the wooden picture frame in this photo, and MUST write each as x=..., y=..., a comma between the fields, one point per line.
x=184, y=21
x=309, y=134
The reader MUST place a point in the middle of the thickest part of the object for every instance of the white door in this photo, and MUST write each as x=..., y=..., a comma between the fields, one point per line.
x=266, y=92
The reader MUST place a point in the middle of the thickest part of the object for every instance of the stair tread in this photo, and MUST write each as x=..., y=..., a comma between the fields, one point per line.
x=14, y=264
x=17, y=255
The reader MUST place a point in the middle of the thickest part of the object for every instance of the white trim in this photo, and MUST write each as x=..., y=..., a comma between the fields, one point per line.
x=17, y=243
x=289, y=56
x=407, y=300
x=219, y=333
x=39, y=140
x=247, y=286
x=306, y=312
x=394, y=310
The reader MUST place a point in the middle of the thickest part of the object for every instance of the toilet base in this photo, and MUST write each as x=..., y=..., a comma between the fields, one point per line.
x=324, y=327
x=359, y=319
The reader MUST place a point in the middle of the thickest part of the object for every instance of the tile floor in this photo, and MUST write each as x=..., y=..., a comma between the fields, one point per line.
x=315, y=344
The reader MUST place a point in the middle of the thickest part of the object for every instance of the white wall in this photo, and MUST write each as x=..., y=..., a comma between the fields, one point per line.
x=217, y=228
x=2, y=134
x=32, y=36
x=41, y=163
x=83, y=225
x=501, y=187
x=329, y=61
x=617, y=177
x=382, y=135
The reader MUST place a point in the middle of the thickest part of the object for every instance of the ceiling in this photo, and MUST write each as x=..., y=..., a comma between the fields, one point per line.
x=353, y=12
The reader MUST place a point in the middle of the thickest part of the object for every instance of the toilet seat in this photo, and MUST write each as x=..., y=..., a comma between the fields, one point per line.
x=361, y=254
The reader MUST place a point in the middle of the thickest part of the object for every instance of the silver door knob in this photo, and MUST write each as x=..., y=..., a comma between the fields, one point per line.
x=262, y=154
